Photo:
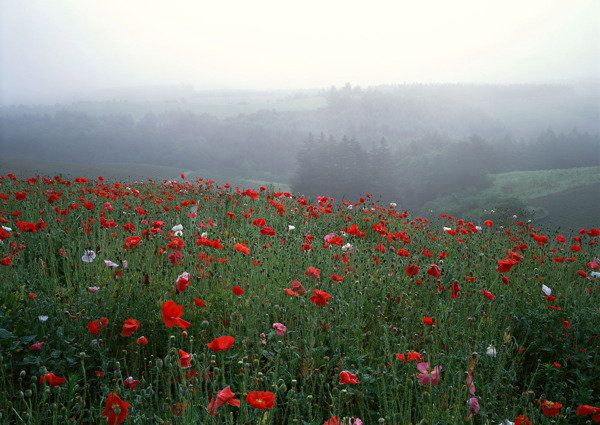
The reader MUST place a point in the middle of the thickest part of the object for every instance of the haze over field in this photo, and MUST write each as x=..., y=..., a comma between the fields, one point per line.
x=62, y=50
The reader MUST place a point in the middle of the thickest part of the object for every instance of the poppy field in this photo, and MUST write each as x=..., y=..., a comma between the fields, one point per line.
x=181, y=301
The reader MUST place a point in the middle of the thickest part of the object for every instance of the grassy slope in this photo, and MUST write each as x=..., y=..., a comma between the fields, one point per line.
x=560, y=197
x=128, y=172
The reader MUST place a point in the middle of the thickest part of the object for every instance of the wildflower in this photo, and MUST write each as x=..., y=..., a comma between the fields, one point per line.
x=279, y=328
x=428, y=321
x=487, y=294
x=429, y=377
x=546, y=290
x=434, y=271
x=505, y=265
x=491, y=351
x=522, y=420
x=142, y=341
x=95, y=325
x=473, y=405
x=550, y=408
x=199, y=302
x=237, y=290
x=131, y=241
x=290, y=227
x=412, y=270
x=346, y=247
x=183, y=281
x=225, y=396
x=312, y=272
x=177, y=230
x=347, y=378
x=130, y=326
x=88, y=257
x=336, y=278
x=32, y=296
x=297, y=289
x=240, y=247
x=110, y=263
x=222, y=343
x=175, y=257
x=320, y=298
x=130, y=383
x=93, y=289
x=589, y=410
x=172, y=315
x=37, y=346
x=52, y=380
x=184, y=359
x=261, y=399
x=116, y=409
x=488, y=223
x=42, y=318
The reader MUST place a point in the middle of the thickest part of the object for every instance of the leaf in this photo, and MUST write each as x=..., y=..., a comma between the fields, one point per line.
x=4, y=334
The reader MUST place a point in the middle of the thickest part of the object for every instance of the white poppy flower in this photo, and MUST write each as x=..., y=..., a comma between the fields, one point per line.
x=290, y=227
x=491, y=351
x=110, y=263
x=546, y=290
x=88, y=257
x=346, y=247
x=43, y=318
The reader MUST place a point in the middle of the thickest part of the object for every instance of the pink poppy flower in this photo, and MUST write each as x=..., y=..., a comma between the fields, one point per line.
x=279, y=328
x=429, y=377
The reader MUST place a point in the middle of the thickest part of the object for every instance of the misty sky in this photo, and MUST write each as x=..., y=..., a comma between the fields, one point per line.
x=51, y=50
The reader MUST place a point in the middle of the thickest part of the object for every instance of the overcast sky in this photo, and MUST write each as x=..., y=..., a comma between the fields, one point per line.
x=50, y=49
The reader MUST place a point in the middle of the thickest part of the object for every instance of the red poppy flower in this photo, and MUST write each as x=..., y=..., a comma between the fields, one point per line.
x=142, y=341
x=336, y=278
x=575, y=248
x=347, y=378
x=52, y=380
x=505, y=265
x=95, y=325
x=240, y=247
x=428, y=321
x=320, y=298
x=237, y=290
x=487, y=294
x=522, y=420
x=130, y=383
x=434, y=271
x=113, y=403
x=488, y=223
x=589, y=410
x=412, y=270
x=582, y=273
x=6, y=261
x=455, y=289
x=505, y=280
x=172, y=315
x=131, y=241
x=199, y=302
x=129, y=327
x=566, y=324
x=222, y=343
x=268, y=231
x=183, y=281
x=225, y=396
x=184, y=359
x=550, y=408
x=312, y=272
x=262, y=400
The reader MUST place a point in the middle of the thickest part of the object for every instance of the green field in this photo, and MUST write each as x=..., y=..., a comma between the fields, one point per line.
x=122, y=171
x=566, y=198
